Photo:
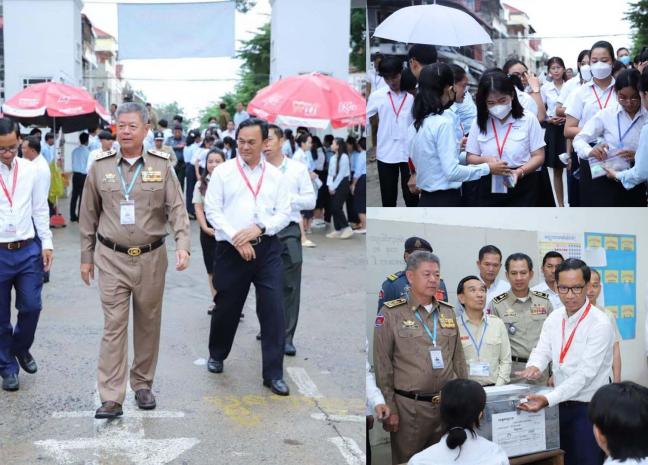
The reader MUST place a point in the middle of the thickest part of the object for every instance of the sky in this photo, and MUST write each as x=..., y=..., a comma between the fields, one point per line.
x=191, y=95
x=576, y=18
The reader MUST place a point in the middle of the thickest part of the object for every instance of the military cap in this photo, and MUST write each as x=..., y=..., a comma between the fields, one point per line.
x=416, y=243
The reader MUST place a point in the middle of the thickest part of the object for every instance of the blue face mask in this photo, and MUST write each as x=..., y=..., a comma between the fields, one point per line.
x=625, y=60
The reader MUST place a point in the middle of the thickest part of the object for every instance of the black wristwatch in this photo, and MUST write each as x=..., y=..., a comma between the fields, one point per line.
x=262, y=228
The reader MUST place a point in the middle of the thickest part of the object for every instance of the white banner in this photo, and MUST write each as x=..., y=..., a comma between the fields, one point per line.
x=176, y=30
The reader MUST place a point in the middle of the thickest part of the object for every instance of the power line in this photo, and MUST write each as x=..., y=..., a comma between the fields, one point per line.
x=108, y=78
x=593, y=36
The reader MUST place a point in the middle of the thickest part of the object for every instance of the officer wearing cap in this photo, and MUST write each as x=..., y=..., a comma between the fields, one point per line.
x=158, y=140
x=417, y=350
x=394, y=286
x=177, y=142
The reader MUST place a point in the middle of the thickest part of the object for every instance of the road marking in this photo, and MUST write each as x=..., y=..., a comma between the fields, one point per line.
x=338, y=418
x=200, y=362
x=349, y=450
x=127, y=413
x=304, y=383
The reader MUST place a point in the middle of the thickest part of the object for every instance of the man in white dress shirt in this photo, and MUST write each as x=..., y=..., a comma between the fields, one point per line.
x=240, y=115
x=489, y=265
x=550, y=262
x=248, y=204
x=578, y=339
x=302, y=197
x=23, y=214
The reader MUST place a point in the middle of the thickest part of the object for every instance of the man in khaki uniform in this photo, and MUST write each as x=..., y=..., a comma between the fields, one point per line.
x=483, y=337
x=416, y=351
x=127, y=200
x=523, y=311
x=158, y=138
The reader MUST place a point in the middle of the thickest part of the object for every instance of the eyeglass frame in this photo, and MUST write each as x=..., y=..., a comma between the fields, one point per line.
x=571, y=288
x=10, y=149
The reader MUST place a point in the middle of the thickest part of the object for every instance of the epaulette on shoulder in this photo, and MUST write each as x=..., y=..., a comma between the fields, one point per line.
x=395, y=303
x=393, y=277
x=159, y=153
x=500, y=298
x=106, y=154
x=443, y=302
x=544, y=295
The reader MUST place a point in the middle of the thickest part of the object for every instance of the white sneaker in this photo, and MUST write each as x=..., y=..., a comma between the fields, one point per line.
x=360, y=231
x=346, y=233
x=318, y=223
x=308, y=243
x=334, y=234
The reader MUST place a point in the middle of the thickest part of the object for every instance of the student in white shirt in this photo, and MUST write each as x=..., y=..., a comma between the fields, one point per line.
x=619, y=413
x=577, y=339
x=582, y=105
x=550, y=262
x=189, y=152
x=527, y=85
x=489, y=264
x=338, y=184
x=505, y=131
x=462, y=407
x=393, y=106
x=304, y=143
x=616, y=129
x=23, y=214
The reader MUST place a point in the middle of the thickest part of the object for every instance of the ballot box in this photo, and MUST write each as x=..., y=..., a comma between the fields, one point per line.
x=516, y=431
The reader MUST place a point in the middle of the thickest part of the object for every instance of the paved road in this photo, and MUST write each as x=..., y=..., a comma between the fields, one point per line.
x=373, y=188
x=201, y=418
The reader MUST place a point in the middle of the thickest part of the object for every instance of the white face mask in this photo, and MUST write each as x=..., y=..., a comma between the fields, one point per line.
x=586, y=73
x=500, y=111
x=601, y=70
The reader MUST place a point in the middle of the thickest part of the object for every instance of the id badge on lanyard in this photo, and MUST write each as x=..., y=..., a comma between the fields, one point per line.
x=127, y=212
x=11, y=222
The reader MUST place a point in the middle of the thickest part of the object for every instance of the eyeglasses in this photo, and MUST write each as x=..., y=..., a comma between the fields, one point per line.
x=633, y=99
x=9, y=149
x=577, y=290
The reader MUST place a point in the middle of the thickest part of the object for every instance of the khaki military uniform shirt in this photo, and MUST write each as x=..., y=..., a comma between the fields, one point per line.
x=526, y=316
x=402, y=358
x=172, y=156
x=157, y=196
x=495, y=349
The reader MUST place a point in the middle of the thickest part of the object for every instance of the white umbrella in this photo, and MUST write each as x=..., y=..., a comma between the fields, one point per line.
x=434, y=25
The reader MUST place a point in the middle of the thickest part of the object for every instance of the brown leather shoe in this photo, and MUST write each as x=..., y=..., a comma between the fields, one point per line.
x=109, y=410
x=145, y=399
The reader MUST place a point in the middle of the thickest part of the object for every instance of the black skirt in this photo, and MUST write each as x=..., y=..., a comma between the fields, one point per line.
x=444, y=198
x=556, y=144
x=524, y=194
x=606, y=192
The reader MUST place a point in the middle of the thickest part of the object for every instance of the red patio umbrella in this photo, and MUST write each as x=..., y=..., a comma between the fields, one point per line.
x=56, y=105
x=311, y=100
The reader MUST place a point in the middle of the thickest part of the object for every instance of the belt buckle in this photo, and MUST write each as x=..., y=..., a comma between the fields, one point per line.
x=134, y=251
x=436, y=399
x=13, y=245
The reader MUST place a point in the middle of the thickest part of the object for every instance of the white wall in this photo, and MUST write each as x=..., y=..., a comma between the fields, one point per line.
x=42, y=38
x=617, y=220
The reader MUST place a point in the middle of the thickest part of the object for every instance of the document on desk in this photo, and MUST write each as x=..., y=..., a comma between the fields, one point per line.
x=520, y=432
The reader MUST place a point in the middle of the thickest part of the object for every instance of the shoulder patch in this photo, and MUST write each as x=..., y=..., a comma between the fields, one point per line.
x=445, y=304
x=544, y=295
x=380, y=320
x=395, y=303
x=392, y=277
x=500, y=298
x=106, y=154
x=159, y=153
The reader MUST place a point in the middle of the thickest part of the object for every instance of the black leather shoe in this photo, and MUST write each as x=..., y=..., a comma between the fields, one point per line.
x=215, y=366
x=10, y=382
x=109, y=410
x=145, y=399
x=258, y=336
x=278, y=386
x=289, y=349
x=27, y=362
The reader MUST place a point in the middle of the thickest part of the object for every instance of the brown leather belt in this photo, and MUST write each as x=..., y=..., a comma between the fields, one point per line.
x=434, y=398
x=132, y=251
x=15, y=245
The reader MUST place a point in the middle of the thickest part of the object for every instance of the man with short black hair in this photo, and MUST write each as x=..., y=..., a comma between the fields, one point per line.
x=106, y=141
x=79, y=172
x=420, y=55
x=240, y=115
x=177, y=142
x=489, y=264
x=550, y=262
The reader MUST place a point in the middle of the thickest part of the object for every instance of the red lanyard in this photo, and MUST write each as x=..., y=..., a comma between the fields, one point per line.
x=13, y=189
x=500, y=149
x=397, y=113
x=565, y=348
x=247, y=181
x=599, y=100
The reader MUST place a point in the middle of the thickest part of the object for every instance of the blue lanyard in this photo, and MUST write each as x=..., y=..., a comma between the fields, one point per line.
x=427, y=330
x=621, y=137
x=477, y=347
x=132, y=183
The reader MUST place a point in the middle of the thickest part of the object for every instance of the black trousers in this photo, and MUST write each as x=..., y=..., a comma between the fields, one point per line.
x=388, y=178
x=180, y=172
x=573, y=184
x=337, y=203
x=190, y=173
x=78, y=180
x=266, y=273
x=445, y=198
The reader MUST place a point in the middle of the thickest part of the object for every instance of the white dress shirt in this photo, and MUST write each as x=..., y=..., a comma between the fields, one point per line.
x=526, y=136
x=392, y=140
x=553, y=296
x=604, y=127
x=230, y=205
x=583, y=104
x=376, y=80
x=588, y=362
x=639, y=172
x=527, y=102
x=550, y=95
x=43, y=175
x=239, y=117
x=475, y=451
x=29, y=202
x=299, y=186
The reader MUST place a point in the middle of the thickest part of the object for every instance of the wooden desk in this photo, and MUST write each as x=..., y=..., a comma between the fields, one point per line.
x=552, y=457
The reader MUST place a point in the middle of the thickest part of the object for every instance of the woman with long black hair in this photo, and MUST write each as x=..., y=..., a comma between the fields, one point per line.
x=338, y=185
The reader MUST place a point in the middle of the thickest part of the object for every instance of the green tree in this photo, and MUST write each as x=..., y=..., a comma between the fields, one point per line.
x=168, y=110
x=638, y=17
x=244, y=6
x=358, y=36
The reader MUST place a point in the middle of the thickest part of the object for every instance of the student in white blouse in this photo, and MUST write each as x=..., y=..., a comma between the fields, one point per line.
x=619, y=413
x=462, y=407
x=616, y=129
x=505, y=131
x=338, y=185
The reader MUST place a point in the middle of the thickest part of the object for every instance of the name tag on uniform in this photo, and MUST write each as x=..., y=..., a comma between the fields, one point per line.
x=10, y=224
x=127, y=212
x=151, y=176
x=479, y=369
x=437, y=359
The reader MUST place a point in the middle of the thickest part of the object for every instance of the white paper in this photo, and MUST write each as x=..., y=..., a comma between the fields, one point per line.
x=520, y=432
x=595, y=257
x=506, y=389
